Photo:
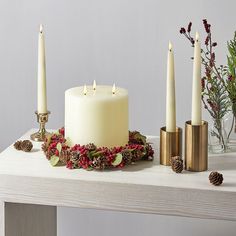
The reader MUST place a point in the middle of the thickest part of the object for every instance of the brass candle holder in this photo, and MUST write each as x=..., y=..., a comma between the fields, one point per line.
x=42, y=119
x=196, y=146
x=170, y=145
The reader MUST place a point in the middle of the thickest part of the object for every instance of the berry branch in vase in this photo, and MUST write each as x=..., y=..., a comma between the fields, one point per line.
x=214, y=88
x=231, y=82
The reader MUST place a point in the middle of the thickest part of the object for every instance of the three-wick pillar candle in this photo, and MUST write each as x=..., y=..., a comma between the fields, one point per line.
x=100, y=118
x=170, y=93
x=196, y=85
x=42, y=90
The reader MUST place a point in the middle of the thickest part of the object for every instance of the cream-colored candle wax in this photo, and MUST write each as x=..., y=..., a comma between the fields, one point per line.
x=99, y=117
x=170, y=93
x=42, y=91
x=196, y=86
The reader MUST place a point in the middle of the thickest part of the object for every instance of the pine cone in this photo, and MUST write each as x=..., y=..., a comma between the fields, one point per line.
x=17, y=145
x=91, y=147
x=175, y=158
x=127, y=156
x=65, y=156
x=99, y=163
x=137, y=155
x=26, y=146
x=74, y=157
x=216, y=178
x=150, y=152
x=49, y=154
x=177, y=166
x=44, y=147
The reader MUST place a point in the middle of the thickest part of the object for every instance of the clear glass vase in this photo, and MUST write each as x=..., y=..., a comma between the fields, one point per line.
x=218, y=138
x=230, y=125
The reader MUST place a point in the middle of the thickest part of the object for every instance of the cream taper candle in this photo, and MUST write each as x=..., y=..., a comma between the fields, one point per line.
x=170, y=93
x=196, y=86
x=100, y=118
x=42, y=91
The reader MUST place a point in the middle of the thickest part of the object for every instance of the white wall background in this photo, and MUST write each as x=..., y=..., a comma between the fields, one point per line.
x=122, y=41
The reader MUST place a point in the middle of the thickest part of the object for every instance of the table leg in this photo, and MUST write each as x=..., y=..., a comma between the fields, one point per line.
x=30, y=220
x=2, y=218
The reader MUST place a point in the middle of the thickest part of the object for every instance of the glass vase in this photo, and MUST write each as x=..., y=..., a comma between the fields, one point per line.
x=218, y=139
x=230, y=124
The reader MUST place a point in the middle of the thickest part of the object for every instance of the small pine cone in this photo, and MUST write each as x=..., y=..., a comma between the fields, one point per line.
x=127, y=156
x=17, y=145
x=99, y=163
x=91, y=147
x=137, y=155
x=44, y=147
x=26, y=146
x=216, y=178
x=49, y=154
x=177, y=166
x=65, y=156
x=175, y=158
x=74, y=157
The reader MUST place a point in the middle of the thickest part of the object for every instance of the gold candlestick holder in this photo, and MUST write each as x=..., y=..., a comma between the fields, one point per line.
x=196, y=146
x=42, y=119
x=170, y=145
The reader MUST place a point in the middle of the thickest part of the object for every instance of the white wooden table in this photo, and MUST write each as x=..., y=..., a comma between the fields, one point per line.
x=30, y=190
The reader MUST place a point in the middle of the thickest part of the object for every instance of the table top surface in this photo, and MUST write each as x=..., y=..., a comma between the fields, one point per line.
x=35, y=164
x=20, y=172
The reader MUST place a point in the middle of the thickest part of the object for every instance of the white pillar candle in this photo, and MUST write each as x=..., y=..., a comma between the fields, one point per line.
x=100, y=118
x=196, y=86
x=170, y=93
x=42, y=91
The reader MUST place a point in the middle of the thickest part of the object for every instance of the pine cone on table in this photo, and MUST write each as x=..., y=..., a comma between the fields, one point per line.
x=177, y=166
x=17, y=145
x=175, y=158
x=216, y=178
x=26, y=146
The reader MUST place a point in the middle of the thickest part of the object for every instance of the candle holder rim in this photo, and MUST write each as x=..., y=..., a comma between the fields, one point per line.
x=189, y=123
x=44, y=113
x=178, y=129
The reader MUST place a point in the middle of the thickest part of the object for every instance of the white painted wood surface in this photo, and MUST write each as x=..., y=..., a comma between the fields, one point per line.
x=30, y=220
x=146, y=187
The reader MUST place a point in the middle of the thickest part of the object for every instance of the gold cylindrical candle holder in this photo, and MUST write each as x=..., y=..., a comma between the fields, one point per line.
x=170, y=145
x=196, y=146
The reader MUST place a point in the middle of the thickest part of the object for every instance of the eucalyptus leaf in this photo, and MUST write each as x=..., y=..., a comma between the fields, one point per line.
x=118, y=160
x=59, y=147
x=54, y=160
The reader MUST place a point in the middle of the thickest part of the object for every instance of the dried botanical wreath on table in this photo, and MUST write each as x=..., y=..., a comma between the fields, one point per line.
x=59, y=152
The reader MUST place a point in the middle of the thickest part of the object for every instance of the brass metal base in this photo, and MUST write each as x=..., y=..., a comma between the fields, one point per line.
x=42, y=119
x=196, y=146
x=38, y=136
x=170, y=145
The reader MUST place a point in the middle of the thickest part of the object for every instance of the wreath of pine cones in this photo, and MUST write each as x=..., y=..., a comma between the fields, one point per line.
x=59, y=152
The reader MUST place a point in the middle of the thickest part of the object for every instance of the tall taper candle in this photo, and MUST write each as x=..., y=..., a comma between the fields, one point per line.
x=42, y=91
x=170, y=93
x=196, y=86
